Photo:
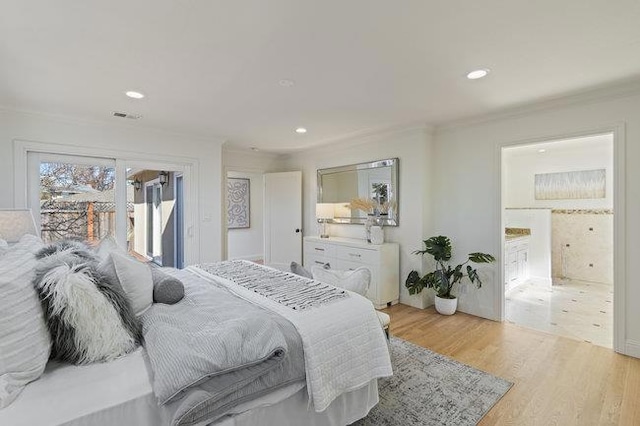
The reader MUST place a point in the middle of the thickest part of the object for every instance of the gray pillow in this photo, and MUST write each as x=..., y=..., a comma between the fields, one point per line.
x=166, y=289
x=298, y=269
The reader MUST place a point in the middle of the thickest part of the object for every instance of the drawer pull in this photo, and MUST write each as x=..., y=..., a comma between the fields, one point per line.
x=355, y=255
x=318, y=249
x=319, y=263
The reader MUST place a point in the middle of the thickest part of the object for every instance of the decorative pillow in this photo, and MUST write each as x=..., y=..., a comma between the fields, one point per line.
x=356, y=281
x=298, y=269
x=24, y=338
x=166, y=289
x=106, y=266
x=135, y=278
x=89, y=318
x=107, y=246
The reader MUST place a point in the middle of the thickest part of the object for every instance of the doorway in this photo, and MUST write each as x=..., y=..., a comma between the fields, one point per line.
x=558, y=232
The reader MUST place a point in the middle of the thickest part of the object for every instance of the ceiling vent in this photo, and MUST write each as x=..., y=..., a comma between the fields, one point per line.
x=126, y=115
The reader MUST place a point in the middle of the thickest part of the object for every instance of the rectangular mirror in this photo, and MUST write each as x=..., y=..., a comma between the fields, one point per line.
x=373, y=187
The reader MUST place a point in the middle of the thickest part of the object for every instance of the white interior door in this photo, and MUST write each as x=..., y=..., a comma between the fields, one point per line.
x=283, y=217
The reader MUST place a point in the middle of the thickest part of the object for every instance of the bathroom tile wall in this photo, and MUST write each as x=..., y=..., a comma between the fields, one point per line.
x=582, y=245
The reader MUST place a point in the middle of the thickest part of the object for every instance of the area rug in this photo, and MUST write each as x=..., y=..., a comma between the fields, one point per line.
x=431, y=389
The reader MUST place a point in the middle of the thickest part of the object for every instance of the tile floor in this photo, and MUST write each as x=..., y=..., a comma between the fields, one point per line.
x=577, y=309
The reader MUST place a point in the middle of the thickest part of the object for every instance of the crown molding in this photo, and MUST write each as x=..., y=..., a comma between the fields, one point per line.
x=620, y=89
x=69, y=119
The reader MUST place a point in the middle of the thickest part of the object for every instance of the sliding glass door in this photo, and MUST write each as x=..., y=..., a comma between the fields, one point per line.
x=88, y=198
x=74, y=197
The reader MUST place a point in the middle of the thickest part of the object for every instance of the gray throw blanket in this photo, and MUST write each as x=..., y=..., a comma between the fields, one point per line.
x=212, y=351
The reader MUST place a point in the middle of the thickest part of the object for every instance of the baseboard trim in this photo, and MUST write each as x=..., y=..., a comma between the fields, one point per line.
x=632, y=348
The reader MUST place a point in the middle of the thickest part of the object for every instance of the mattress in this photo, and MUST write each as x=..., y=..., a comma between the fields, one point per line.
x=119, y=392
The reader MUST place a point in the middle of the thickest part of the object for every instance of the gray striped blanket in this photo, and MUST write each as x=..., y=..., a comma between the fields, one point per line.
x=287, y=289
x=213, y=350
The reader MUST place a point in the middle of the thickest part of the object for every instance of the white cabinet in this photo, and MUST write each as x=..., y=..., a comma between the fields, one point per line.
x=347, y=254
x=516, y=268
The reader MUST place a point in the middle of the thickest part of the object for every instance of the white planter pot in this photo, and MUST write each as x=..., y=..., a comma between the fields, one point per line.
x=446, y=306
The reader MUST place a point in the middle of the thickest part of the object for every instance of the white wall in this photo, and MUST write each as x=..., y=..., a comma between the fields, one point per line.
x=123, y=138
x=248, y=243
x=521, y=164
x=467, y=207
x=413, y=148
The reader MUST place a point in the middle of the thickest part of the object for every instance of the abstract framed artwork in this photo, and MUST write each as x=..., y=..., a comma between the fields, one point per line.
x=571, y=185
x=238, y=205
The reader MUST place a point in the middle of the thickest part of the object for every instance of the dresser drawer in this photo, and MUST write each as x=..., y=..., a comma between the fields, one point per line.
x=311, y=259
x=319, y=248
x=356, y=254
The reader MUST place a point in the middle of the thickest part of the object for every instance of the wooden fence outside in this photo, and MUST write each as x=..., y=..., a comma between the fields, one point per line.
x=85, y=221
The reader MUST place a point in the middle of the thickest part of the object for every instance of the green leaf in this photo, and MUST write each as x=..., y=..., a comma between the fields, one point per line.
x=473, y=276
x=439, y=247
x=481, y=258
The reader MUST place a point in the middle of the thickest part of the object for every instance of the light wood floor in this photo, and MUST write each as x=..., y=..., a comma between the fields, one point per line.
x=557, y=380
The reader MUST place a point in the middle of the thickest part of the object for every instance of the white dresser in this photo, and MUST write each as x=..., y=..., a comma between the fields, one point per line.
x=348, y=253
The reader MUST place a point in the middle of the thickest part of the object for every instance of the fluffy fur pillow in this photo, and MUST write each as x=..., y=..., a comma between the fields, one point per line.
x=89, y=318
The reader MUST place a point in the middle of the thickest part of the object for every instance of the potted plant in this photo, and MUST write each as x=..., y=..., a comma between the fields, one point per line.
x=445, y=275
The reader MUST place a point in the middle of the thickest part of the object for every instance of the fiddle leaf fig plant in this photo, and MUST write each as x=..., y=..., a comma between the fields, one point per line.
x=445, y=276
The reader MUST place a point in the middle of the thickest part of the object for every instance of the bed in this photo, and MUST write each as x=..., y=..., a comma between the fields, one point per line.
x=333, y=392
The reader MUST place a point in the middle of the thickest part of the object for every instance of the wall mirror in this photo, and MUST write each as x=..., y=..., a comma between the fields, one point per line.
x=359, y=190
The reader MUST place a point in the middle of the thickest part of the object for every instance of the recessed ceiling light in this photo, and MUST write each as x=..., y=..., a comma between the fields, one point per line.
x=134, y=95
x=541, y=150
x=285, y=82
x=476, y=74
x=301, y=130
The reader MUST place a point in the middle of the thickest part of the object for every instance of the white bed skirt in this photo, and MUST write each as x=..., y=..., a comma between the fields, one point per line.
x=294, y=411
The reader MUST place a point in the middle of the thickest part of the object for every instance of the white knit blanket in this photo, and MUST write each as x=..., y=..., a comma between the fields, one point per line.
x=344, y=345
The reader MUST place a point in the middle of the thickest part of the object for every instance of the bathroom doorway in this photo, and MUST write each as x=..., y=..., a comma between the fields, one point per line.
x=558, y=217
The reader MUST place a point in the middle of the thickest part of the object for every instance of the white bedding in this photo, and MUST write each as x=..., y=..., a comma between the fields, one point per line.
x=344, y=345
x=119, y=393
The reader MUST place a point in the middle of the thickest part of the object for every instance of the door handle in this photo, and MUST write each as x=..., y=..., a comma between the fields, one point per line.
x=298, y=230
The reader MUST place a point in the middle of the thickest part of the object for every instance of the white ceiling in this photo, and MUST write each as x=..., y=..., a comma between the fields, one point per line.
x=212, y=67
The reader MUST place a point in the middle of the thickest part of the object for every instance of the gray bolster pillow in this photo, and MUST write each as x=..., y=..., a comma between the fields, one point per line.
x=166, y=289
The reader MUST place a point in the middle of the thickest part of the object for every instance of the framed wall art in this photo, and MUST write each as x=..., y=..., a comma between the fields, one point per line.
x=238, y=203
x=571, y=185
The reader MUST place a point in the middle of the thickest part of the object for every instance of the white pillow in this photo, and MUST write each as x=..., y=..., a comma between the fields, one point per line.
x=136, y=281
x=107, y=246
x=356, y=281
x=24, y=337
